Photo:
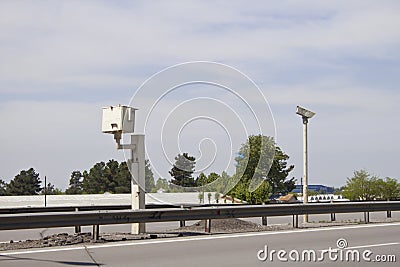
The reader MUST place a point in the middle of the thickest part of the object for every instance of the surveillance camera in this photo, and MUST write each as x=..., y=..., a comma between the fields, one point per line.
x=118, y=119
x=304, y=112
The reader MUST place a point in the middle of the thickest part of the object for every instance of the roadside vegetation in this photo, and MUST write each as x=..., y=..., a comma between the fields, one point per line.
x=262, y=171
x=364, y=186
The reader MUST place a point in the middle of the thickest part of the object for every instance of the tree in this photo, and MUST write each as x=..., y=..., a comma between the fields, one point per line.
x=216, y=197
x=260, y=195
x=109, y=177
x=209, y=197
x=201, y=180
x=111, y=172
x=122, y=179
x=75, y=184
x=362, y=186
x=279, y=172
x=149, y=177
x=212, y=182
x=312, y=193
x=261, y=169
x=27, y=182
x=51, y=190
x=48, y=189
x=3, y=188
x=212, y=177
x=201, y=198
x=162, y=183
x=182, y=170
x=389, y=189
x=95, y=181
x=223, y=183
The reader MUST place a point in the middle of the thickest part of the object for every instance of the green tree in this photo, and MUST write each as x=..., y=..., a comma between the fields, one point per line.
x=3, y=188
x=279, y=172
x=75, y=184
x=182, y=170
x=122, y=179
x=213, y=182
x=254, y=158
x=260, y=195
x=27, y=182
x=51, y=190
x=162, y=183
x=262, y=161
x=201, y=179
x=58, y=191
x=313, y=193
x=212, y=177
x=111, y=172
x=109, y=177
x=389, y=189
x=48, y=189
x=149, y=177
x=209, y=197
x=201, y=198
x=216, y=197
x=362, y=186
x=95, y=181
x=223, y=183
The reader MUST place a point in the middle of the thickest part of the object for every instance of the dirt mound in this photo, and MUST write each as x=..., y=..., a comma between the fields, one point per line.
x=229, y=226
x=49, y=241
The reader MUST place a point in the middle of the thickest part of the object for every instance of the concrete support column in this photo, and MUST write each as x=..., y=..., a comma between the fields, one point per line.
x=137, y=165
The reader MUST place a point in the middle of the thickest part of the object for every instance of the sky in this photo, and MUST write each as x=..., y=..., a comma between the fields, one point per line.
x=62, y=61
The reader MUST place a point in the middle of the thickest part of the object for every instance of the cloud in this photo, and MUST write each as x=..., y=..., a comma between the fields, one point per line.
x=55, y=138
x=53, y=43
x=62, y=61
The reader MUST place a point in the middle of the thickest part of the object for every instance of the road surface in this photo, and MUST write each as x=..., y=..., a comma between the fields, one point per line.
x=371, y=242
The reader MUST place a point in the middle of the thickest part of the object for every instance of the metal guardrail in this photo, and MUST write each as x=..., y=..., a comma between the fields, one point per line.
x=75, y=208
x=81, y=218
x=100, y=207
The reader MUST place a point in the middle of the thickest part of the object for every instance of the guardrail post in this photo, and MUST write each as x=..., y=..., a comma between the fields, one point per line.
x=295, y=221
x=389, y=214
x=264, y=220
x=77, y=227
x=96, y=232
x=182, y=223
x=208, y=226
x=366, y=217
x=333, y=217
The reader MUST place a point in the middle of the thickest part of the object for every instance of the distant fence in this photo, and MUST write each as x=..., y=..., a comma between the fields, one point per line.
x=106, y=217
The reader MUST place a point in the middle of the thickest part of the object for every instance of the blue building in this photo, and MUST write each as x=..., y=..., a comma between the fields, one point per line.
x=322, y=189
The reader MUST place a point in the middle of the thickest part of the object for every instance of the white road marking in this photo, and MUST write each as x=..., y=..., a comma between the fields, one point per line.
x=375, y=245
x=200, y=238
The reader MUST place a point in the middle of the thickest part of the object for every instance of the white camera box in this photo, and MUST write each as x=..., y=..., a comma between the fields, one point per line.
x=118, y=119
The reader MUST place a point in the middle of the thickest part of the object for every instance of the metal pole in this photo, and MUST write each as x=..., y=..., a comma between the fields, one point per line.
x=45, y=191
x=305, y=159
x=203, y=188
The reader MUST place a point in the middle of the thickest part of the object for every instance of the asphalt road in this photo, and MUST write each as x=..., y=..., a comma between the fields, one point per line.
x=372, y=241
